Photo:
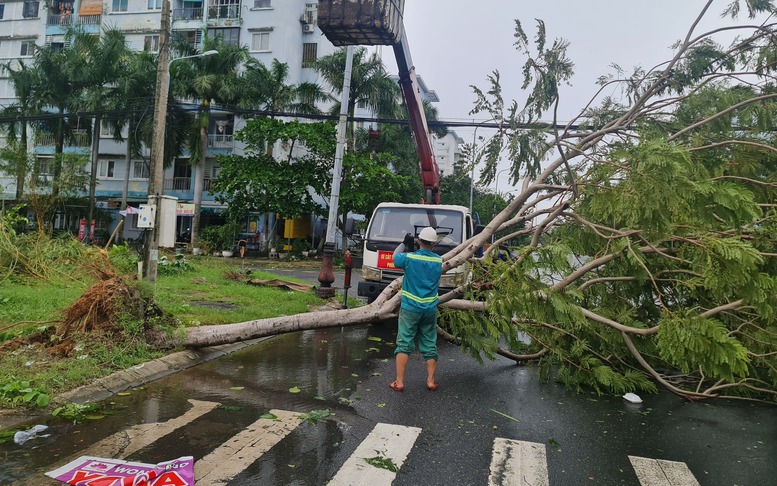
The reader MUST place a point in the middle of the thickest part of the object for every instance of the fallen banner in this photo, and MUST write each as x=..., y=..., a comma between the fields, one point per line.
x=97, y=471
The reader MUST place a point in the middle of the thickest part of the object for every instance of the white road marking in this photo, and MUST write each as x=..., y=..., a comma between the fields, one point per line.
x=657, y=472
x=242, y=450
x=390, y=443
x=518, y=463
x=126, y=442
x=131, y=440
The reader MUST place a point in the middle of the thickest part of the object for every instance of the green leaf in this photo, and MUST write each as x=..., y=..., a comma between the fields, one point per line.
x=382, y=463
x=316, y=416
x=294, y=389
x=42, y=400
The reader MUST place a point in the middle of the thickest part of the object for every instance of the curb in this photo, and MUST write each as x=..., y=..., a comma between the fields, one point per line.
x=141, y=374
x=134, y=376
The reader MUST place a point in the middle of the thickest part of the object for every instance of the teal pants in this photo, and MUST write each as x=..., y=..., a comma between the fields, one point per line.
x=419, y=325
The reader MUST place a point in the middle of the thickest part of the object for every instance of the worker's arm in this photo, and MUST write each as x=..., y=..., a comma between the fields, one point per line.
x=407, y=243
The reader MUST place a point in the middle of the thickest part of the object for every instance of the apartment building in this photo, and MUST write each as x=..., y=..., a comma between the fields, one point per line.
x=272, y=29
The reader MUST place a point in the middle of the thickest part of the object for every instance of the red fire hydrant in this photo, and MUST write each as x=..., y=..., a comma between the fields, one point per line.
x=347, y=277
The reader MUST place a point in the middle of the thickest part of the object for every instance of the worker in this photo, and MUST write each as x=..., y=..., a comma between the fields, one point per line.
x=418, y=312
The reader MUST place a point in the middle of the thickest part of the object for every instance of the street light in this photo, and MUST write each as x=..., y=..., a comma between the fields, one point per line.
x=156, y=181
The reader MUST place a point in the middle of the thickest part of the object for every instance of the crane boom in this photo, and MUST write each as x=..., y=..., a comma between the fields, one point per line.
x=379, y=22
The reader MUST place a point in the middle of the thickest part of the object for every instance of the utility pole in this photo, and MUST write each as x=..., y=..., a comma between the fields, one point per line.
x=327, y=275
x=156, y=179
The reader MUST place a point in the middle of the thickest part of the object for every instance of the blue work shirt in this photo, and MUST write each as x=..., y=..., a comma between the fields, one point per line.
x=423, y=269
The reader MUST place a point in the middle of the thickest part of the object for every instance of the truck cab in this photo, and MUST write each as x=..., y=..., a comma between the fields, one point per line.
x=388, y=226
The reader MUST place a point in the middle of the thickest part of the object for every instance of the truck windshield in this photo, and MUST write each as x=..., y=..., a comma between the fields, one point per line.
x=391, y=224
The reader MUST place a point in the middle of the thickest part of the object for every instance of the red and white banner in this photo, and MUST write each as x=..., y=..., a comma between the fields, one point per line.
x=96, y=471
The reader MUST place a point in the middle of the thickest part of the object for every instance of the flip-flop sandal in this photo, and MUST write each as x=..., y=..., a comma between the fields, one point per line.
x=393, y=385
x=432, y=387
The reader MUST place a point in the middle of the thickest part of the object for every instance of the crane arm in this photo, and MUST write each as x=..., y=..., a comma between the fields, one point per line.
x=379, y=22
x=430, y=173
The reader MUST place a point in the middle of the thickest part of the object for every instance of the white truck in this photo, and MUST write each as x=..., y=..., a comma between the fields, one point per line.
x=379, y=22
x=388, y=226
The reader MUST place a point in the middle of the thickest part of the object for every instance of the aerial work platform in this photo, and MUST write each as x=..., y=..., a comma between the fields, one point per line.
x=364, y=22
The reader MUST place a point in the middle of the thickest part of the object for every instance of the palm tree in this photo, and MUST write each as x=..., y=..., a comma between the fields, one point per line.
x=271, y=91
x=137, y=90
x=27, y=104
x=99, y=63
x=57, y=90
x=211, y=79
x=371, y=85
x=273, y=94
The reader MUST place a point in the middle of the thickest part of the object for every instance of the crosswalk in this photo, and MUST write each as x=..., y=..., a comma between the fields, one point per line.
x=376, y=461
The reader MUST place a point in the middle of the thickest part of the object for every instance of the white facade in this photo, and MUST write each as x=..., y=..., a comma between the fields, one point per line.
x=271, y=29
x=447, y=151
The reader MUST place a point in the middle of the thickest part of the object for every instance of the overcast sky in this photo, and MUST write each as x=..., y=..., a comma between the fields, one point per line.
x=457, y=43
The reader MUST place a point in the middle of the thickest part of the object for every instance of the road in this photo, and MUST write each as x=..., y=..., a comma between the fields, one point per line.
x=489, y=424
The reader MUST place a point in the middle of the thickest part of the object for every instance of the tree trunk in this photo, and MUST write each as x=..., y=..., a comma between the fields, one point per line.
x=195, y=337
x=125, y=186
x=266, y=230
x=127, y=171
x=59, y=148
x=93, y=176
x=21, y=169
x=199, y=174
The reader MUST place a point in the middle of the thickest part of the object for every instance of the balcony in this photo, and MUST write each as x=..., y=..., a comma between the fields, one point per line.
x=191, y=13
x=223, y=12
x=184, y=184
x=221, y=141
x=63, y=20
x=89, y=20
x=80, y=138
x=178, y=184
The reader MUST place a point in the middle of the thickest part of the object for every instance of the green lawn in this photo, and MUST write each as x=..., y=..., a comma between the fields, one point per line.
x=210, y=290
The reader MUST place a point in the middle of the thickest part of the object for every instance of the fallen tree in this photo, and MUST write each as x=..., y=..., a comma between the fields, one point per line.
x=650, y=218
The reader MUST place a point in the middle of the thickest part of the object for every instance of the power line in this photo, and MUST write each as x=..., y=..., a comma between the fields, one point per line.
x=245, y=112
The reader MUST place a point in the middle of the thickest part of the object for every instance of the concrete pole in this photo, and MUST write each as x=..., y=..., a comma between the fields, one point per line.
x=156, y=177
x=327, y=276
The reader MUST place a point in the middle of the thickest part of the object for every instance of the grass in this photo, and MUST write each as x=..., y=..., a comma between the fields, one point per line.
x=29, y=305
x=179, y=294
x=33, y=301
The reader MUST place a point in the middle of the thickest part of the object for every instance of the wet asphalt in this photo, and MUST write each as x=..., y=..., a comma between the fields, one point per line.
x=588, y=438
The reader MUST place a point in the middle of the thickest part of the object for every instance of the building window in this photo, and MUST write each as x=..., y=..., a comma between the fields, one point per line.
x=155, y=4
x=44, y=168
x=120, y=5
x=27, y=49
x=260, y=41
x=107, y=168
x=309, y=54
x=106, y=130
x=140, y=169
x=30, y=10
x=230, y=36
x=262, y=3
x=151, y=43
x=2, y=10
x=224, y=9
x=311, y=13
